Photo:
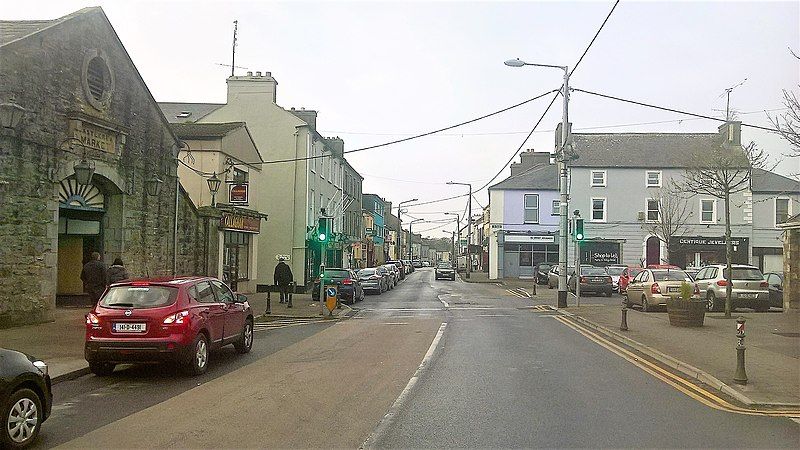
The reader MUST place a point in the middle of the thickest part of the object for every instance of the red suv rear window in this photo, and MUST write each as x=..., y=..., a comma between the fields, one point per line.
x=139, y=297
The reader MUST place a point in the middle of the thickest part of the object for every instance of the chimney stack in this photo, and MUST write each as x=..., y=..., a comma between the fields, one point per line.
x=262, y=88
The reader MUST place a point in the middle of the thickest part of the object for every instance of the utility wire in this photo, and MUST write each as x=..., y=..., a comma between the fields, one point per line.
x=664, y=108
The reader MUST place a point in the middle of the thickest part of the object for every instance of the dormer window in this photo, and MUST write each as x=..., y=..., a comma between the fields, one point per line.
x=183, y=114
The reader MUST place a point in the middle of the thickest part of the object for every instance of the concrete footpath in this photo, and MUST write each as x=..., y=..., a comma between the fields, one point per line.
x=60, y=343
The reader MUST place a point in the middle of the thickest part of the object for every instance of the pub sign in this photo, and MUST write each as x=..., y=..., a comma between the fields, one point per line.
x=238, y=222
x=237, y=193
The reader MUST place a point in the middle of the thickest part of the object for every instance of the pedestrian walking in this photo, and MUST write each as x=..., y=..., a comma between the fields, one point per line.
x=95, y=277
x=283, y=278
x=117, y=271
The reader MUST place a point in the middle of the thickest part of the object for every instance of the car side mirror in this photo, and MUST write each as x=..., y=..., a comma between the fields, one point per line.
x=241, y=298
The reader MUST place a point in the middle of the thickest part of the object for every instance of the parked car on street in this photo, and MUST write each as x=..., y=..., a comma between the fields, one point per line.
x=615, y=271
x=178, y=319
x=393, y=277
x=426, y=263
x=417, y=264
x=692, y=271
x=626, y=276
x=26, y=398
x=401, y=270
x=750, y=289
x=593, y=280
x=409, y=266
x=541, y=270
x=652, y=287
x=444, y=269
x=347, y=285
x=387, y=277
x=371, y=280
x=775, y=286
x=552, y=276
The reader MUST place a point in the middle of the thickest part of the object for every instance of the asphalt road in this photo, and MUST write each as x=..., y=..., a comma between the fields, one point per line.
x=500, y=373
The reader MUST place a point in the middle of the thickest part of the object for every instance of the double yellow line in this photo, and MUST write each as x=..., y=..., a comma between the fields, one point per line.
x=696, y=392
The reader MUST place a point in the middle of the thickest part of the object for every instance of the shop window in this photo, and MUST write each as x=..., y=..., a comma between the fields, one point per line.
x=708, y=211
x=653, y=178
x=598, y=178
x=598, y=210
x=531, y=208
x=525, y=259
x=782, y=206
x=239, y=175
x=653, y=213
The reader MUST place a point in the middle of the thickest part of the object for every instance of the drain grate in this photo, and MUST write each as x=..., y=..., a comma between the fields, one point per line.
x=794, y=335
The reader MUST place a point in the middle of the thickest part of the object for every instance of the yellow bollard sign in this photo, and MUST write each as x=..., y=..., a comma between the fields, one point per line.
x=331, y=295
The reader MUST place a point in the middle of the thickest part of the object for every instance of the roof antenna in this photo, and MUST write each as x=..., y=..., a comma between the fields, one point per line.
x=728, y=103
x=233, y=52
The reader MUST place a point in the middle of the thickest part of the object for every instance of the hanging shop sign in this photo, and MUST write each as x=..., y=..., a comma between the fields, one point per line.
x=238, y=222
x=237, y=193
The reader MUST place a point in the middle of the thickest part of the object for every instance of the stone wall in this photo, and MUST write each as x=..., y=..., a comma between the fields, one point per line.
x=44, y=73
x=791, y=269
x=198, y=238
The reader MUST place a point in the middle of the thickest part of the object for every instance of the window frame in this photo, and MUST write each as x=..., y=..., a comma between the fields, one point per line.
x=713, y=211
x=591, y=178
x=556, y=208
x=525, y=209
x=591, y=209
x=647, y=210
x=647, y=178
x=775, y=209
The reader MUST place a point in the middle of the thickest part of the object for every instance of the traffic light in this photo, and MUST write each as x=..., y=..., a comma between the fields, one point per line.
x=324, y=229
x=579, y=230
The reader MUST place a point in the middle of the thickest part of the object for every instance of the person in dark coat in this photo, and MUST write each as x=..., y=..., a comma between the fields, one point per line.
x=95, y=277
x=283, y=278
x=117, y=271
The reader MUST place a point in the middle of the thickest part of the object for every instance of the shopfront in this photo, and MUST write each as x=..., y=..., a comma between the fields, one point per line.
x=601, y=253
x=240, y=229
x=699, y=251
x=522, y=252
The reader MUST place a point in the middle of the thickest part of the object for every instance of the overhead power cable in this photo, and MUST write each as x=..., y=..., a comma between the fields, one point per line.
x=664, y=108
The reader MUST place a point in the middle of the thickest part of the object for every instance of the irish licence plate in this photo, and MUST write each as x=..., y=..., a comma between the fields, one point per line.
x=128, y=327
x=748, y=295
x=673, y=289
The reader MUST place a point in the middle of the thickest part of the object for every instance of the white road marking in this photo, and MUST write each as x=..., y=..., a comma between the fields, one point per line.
x=387, y=420
x=446, y=305
x=394, y=323
x=492, y=315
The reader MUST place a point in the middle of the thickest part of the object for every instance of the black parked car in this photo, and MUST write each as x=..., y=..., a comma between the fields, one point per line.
x=345, y=280
x=541, y=270
x=594, y=280
x=775, y=280
x=25, y=398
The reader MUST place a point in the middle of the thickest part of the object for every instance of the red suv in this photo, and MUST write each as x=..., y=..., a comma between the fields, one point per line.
x=166, y=319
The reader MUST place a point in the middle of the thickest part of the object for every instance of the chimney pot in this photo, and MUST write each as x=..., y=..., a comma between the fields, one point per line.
x=258, y=74
x=267, y=74
x=249, y=73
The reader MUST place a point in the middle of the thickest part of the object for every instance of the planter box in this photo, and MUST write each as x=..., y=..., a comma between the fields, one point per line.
x=686, y=313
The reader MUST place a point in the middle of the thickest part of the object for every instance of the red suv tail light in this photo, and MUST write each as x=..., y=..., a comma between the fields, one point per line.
x=583, y=280
x=764, y=284
x=179, y=318
x=92, y=319
x=722, y=283
x=655, y=289
x=347, y=281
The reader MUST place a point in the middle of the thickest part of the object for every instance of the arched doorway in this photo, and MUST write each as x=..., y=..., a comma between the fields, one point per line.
x=653, y=250
x=80, y=232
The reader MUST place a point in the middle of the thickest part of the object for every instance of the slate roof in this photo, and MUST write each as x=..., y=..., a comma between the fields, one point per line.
x=543, y=177
x=196, y=111
x=12, y=30
x=765, y=181
x=205, y=130
x=640, y=150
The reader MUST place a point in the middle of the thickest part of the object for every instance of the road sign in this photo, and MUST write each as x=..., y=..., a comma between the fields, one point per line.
x=331, y=295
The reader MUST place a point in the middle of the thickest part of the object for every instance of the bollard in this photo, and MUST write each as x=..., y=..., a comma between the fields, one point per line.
x=624, y=325
x=533, y=292
x=269, y=309
x=740, y=377
x=289, y=296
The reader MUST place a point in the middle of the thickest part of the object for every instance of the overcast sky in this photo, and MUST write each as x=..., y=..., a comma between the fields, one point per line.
x=379, y=71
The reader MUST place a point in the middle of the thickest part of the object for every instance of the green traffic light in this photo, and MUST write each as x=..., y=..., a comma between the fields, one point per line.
x=322, y=236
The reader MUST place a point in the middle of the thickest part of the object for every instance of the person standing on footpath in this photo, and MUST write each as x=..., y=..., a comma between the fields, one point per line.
x=95, y=277
x=117, y=271
x=283, y=278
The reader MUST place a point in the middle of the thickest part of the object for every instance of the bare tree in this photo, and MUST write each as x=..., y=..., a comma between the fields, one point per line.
x=722, y=171
x=788, y=123
x=673, y=215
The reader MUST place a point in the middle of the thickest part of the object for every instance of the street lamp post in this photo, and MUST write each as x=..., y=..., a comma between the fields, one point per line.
x=469, y=225
x=213, y=186
x=400, y=234
x=562, y=170
x=411, y=236
x=456, y=232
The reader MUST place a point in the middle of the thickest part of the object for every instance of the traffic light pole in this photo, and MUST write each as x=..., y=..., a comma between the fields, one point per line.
x=577, y=266
x=564, y=199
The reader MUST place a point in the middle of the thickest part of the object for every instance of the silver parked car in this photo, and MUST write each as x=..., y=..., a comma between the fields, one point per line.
x=750, y=290
x=552, y=276
x=394, y=275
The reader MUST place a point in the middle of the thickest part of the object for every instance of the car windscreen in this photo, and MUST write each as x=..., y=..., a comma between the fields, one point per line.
x=444, y=265
x=331, y=273
x=139, y=297
x=633, y=272
x=745, y=273
x=366, y=272
x=670, y=275
x=614, y=270
x=592, y=271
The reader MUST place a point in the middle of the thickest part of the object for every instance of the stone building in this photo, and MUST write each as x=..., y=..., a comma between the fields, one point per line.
x=86, y=110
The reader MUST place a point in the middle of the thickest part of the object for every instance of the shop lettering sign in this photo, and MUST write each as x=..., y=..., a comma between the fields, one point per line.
x=94, y=137
x=707, y=241
x=238, y=222
x=529, y=238
x=237, y=193
x=604, y=257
